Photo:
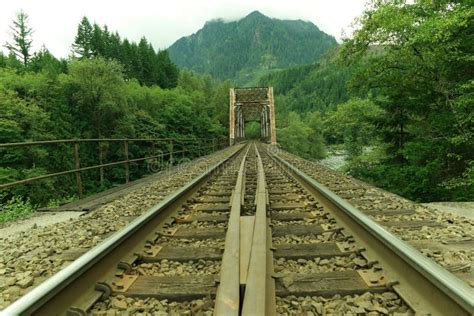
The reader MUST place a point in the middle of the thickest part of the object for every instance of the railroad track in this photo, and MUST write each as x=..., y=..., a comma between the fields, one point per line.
x=446, y=238
x=253, y=236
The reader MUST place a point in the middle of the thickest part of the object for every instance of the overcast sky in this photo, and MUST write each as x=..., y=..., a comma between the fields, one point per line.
x=163, y=22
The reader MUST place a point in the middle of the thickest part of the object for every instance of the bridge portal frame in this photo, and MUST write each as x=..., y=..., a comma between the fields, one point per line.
x=256, y=102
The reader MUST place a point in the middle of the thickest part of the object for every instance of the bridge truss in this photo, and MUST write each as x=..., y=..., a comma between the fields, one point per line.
x=251, y=104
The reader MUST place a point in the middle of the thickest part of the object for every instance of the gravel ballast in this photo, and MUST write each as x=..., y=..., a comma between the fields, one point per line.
x=365, y=304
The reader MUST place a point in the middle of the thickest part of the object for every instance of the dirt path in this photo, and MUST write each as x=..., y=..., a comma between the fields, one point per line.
x=36, y=220
x=465, y=209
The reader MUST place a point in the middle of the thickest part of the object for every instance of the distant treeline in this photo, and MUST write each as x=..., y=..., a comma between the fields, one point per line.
x=139, y=61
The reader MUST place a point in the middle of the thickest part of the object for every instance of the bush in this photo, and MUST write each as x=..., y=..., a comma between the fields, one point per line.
x=14, y=208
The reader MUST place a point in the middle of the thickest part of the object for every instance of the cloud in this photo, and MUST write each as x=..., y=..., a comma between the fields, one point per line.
x=55, y=22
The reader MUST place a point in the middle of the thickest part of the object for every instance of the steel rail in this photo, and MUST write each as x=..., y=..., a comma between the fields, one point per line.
x=46, y=291
x=256, y=292
x=228, y=292
x=431, y=288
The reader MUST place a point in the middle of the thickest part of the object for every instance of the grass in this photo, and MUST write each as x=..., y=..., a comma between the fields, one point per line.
x=15, y=208
x=58, y=202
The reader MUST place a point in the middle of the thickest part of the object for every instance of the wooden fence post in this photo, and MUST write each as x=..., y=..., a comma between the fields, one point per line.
x=77, y=164
x=127, y=175
x=101, y=162
x=182, y=150
x=171, y=153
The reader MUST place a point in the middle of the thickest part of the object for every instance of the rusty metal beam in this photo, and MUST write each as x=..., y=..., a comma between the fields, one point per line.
x=77, y=165
x=272, y=116
x=89, y=140
x=262, y=102
x=231, y=117
x=79, y=169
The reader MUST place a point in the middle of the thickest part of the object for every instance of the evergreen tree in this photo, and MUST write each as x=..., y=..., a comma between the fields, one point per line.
x=98, y=41
x=22, y=41
x=170, y=70
x=125, y=58
x=146, y=56
x=82, y=46
x=3, y=60
x=115, y=48
x=44, y=60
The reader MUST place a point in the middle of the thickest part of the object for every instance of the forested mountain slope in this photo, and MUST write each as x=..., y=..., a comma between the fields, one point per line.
x=315, y=87
x=256, y=42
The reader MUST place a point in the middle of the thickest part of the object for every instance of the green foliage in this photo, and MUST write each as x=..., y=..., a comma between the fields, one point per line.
x=320, y=86
x=352, y=123
x=302, y=137
x=312, y=92
x=110, y=88
x=94, y=100
x=57, y=202
x=252, y=130
x=10, y=61
x=19, y=118
x=94, y=88
x=222, y=49
x=43, y=60
x=419, y=71
x=14, y=208
x=398, y=95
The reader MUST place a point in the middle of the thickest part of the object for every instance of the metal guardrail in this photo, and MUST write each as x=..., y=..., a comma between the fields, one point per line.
x=187, y=145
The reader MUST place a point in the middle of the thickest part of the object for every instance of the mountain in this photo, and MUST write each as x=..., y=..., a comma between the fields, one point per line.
x=256, y=44
x=320, y=86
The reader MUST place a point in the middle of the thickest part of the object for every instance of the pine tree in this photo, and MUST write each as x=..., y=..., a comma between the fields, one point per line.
x=115, y=48
x=169, y=69
x=126, y=58
x=135, y=62
x=98, y=41
x=146, y=56
x=82, y=46
x=22, y=41
x=44, y=60
x=3, y=60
